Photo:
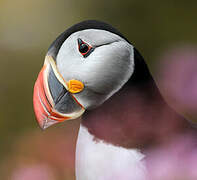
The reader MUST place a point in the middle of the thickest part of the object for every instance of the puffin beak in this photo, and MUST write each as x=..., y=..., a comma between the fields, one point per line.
x=53, y=98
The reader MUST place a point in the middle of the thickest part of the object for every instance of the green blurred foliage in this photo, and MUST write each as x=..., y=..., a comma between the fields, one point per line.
x=28, y=27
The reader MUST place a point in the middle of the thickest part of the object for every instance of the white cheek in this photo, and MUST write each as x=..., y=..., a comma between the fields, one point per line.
x=69, y=60
x=109, y=67
x=103, y=72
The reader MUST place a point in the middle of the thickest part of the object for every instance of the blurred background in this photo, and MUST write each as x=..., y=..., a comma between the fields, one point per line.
x=163, y=31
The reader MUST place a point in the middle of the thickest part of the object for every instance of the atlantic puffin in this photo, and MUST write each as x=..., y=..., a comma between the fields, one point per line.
x=92, y=71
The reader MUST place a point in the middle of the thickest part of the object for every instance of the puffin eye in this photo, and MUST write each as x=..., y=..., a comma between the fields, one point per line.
x=84, y=48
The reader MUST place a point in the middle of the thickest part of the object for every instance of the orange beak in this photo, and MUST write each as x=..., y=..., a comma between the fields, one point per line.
x=53, y=98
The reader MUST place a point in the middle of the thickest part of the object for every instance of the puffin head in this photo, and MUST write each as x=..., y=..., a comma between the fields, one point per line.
x=83, y=67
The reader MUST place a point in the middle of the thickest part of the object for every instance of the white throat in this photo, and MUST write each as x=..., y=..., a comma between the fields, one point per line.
x=97, y=160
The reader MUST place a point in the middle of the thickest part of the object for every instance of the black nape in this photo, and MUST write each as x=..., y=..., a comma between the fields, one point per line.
x=141, y=74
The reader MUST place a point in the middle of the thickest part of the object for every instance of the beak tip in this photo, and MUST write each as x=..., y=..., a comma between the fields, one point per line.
x=48, y=122
x=45, y=123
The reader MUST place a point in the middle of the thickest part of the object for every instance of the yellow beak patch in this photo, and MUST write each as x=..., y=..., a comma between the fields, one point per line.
x=75, y=86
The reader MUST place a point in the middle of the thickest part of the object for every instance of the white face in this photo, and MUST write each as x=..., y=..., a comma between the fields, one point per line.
x=103, y=72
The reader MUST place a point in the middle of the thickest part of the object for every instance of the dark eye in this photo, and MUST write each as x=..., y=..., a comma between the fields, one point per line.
x=84, y=48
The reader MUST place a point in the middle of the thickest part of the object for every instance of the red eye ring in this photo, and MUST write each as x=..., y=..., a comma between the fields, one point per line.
x=84, y=48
